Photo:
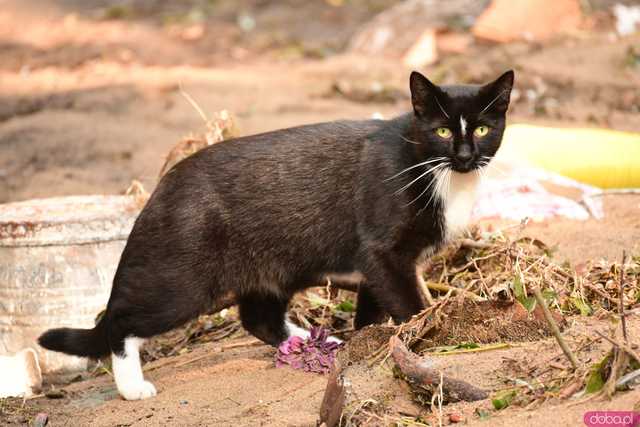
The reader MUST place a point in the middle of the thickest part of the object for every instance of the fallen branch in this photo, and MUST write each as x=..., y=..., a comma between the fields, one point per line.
x=441, y=287
x=415, y=369
x=424, y=289
x=489, y=347
x=621, y=295
x=554, y=327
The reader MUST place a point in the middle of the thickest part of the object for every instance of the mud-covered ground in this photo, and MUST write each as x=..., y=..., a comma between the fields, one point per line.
x=90, y=100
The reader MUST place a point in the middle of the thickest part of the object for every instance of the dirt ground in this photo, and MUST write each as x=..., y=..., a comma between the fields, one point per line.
x=90, y=100
x=241, y=387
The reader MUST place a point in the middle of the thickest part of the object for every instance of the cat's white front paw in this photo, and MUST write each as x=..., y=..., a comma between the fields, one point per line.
x=336, y=340
x=137, y=390
x=293, y=329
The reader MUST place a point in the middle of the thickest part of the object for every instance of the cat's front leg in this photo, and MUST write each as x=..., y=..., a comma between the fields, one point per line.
x=394, y=286
x=368, y=310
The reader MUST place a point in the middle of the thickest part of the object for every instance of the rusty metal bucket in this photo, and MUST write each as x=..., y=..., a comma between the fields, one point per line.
x=58, y=257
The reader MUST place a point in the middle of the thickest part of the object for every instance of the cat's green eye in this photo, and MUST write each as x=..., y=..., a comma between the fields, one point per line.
x=481, y=131
x=444, y=133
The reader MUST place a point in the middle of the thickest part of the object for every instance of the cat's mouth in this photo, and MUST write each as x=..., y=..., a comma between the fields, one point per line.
x=464, y=167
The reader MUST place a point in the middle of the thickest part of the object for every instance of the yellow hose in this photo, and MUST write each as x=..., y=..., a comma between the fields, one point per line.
x=603, y=158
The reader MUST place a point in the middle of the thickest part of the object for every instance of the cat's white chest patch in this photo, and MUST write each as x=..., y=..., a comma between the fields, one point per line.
x=458, y=199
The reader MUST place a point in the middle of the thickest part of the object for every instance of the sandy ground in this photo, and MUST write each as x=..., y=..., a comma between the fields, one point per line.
x=241, y=387
x=88, y=105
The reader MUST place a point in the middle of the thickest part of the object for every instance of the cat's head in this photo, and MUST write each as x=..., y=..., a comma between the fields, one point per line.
x=462, y=124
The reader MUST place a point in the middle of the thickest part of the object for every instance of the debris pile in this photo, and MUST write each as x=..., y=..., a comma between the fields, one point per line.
x=487, y=293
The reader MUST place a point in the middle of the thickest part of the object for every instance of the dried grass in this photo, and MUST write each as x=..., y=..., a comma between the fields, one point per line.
x=220, y=127
x=507, y=269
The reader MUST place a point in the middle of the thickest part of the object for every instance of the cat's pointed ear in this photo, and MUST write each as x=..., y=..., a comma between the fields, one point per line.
x=499, y=93
x=423, y=92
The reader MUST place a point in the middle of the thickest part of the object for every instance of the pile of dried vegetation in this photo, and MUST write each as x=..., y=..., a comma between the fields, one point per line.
x=487, y=292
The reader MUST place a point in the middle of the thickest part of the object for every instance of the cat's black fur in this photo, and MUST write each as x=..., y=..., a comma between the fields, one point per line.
x=265, y=216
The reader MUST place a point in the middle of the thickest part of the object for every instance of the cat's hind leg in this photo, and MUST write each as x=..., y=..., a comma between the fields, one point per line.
x=127, y=371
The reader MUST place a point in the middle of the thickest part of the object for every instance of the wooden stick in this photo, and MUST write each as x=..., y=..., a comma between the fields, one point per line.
x=424, y=289
x=554, y=328
x=621, y=292
x=415, y=369
x=441, y=287
x=488, y=347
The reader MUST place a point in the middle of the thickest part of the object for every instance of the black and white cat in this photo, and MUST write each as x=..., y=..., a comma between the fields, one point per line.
x=265, y=216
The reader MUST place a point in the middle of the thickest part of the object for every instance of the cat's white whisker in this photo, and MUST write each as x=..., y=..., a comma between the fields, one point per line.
x=417, y=165
x=439, y=182
x=442, y=165
x=416, y=180
x=494, y=167
x=410, y=141
x=441, y=108
x=494, y=100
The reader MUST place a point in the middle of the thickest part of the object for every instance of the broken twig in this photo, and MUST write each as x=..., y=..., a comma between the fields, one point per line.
x=441, y=287
x=417, y=371
x=621, y=292
x=554, y=328
x=488, y=347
